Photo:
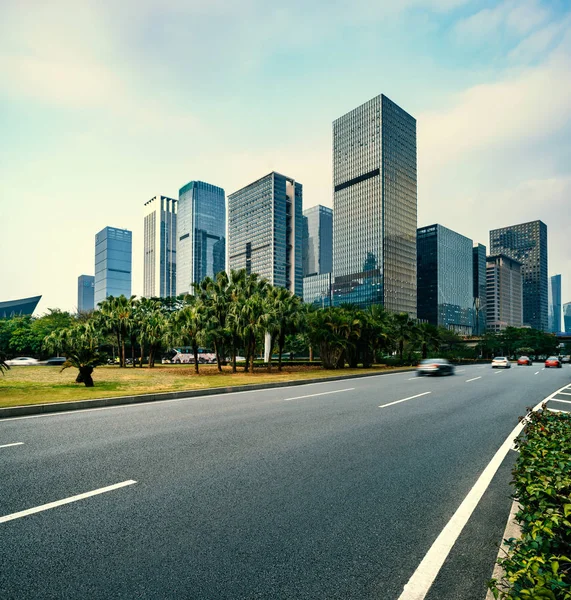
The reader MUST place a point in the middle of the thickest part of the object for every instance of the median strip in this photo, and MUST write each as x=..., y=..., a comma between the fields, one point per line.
x=10, y=445
x=320, y=394
x=473, y=379
x=37, y=509
x=404, y=400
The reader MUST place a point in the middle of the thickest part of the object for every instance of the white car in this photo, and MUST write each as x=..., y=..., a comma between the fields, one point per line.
x=501, y=362
x=22, y=361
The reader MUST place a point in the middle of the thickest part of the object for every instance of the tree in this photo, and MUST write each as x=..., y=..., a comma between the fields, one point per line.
x=152, y=324
x=428, y=337
x=328, y=331
x=188, y=325
x=115, y=316
x=404, y=330
x=283, y=307
x=3, y=366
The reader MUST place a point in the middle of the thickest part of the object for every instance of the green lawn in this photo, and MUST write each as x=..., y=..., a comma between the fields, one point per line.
x=35, y=385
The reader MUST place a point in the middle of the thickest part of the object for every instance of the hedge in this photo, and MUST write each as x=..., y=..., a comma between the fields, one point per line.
x=538, y=564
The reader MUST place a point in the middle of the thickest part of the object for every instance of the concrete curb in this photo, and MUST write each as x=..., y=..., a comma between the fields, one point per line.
x=53, y=407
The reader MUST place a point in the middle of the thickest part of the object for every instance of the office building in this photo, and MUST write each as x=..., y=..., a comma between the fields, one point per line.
x=201, y=234
x=17, y=308
x=159, y=266
x=567, y=317
x=445, y=279
x=265, y=224
x=554, y=303
x=318, y=240
x=374, y=207
x=527, y=243
x=479, y=290
x=113, y=263
x=85, y=293
x=317, y=290
x=504, y=292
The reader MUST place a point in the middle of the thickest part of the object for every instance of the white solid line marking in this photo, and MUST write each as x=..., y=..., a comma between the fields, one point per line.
x=564, y=393
x=320, y=394
x=10, y=445
x=564, y=401
x=404, y=399
x=473, y=379
x=426, y=572
x=558, y=411
x=37, y=509
x=498, y=373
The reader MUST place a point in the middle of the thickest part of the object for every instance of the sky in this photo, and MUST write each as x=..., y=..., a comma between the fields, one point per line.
x=105, y=104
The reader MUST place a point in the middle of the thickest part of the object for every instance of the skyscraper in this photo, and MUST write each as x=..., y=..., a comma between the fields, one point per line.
x=555, y=308
x=504, y=292
x=374, y=207
x=445, y=279
x=527, y=243
x=85, y=293
x=567, y=317
x=159, y=268
x=265, y=223
x=201, y=234
x=113, y=259
x=318, y=242
x=479, y=272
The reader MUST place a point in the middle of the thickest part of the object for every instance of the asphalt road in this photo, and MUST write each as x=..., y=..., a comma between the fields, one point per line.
x=306, y=492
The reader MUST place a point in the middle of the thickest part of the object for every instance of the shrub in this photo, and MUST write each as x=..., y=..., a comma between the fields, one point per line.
x=538, y=564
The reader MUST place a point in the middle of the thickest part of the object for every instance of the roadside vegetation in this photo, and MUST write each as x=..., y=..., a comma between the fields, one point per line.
x=538, y=564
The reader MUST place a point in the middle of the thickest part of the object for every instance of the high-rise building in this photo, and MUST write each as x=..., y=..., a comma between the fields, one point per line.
x=479, y=272
x=201, y=234
x=527, y=243
x=159, y=267
x=555, y=308
x=567, y=317
x=318, y=240
x=317, y=290
x=265, y=224
x=85, y=293
x=113, y=263
x=504, y=292
x=445, y=279
x=374, y=207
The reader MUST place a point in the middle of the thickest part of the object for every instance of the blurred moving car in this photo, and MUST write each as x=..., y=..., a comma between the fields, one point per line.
x=566, y=359
x=553, y=361
x=501, y=362
x=524, y=360
x=435, y=366
x=22, y=361
x=55, y=361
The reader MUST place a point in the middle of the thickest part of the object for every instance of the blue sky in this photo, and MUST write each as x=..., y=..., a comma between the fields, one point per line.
x=105, y=104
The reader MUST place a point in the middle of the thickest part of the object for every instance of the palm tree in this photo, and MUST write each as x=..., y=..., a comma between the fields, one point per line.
x=3, y=366
x=428, y=337
x=403, y=327
x=115, y=316
x=188, y=325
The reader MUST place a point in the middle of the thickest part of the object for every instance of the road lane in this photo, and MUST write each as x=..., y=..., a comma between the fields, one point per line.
x=243, y=496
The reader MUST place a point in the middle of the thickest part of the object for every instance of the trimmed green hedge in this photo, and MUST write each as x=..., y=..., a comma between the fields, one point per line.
x=538, y=565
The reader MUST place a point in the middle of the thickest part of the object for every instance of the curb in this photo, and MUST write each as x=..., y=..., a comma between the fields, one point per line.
x=53, y=407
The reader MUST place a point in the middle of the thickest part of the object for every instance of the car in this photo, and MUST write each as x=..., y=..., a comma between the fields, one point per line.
x=22, y=361
x=524, y=360
x=566, y=359
x=553, y=361
x=55, y=361
x=435, y=366
x=501, y=362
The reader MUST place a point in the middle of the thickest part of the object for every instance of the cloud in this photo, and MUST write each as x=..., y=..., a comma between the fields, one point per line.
x=536, y=44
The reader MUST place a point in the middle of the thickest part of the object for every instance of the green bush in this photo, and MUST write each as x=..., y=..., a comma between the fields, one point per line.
x=538, y=564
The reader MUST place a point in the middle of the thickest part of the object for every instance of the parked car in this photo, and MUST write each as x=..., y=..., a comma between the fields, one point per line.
x=553, y=361
x=524, y=360
x=55, y=361
x=566, y=359
x=22, y=361
x=501, y=362
x=435, y=366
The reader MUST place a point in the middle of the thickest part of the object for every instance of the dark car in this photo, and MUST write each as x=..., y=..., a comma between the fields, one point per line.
x=435, y=366
x=55, y=361
x=553, y=361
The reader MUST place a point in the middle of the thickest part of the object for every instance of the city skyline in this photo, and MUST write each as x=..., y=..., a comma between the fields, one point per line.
x=70, y=111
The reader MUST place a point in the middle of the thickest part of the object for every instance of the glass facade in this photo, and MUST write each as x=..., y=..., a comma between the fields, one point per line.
x=567, y=317
x=527, y=243
x=317, y=290
x=375, y=207
x=265, y=230
x=201, y=234
x=479, y=289
x=23, y=306
x=555, y=307
x=159, y=266
x=113, y=260
x=445, y=278
x=85, y=293
x=504, y=293
x=318, y=240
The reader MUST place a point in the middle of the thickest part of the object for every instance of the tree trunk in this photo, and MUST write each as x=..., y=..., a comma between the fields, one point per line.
x=401, y=348
x=424, y=350
x=85, y=373
x=218, y=362
x=234, y=356
x=119, y=348
x=281, y=344
x=133, y=353
x=79, y=378
x=123, y=352
x=311, y=354
x=142, y=354
x=252, y=351
x=195, y=352
x=247, y=352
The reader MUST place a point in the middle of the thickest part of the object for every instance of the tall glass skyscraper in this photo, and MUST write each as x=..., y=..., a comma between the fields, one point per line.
x=555, y=307
x=504, y=291
x=479, y=291
x=445, y=278
x=113, y=261
x=265, y=223
x=527, y=243
x=201, y=234
x=374, y=207
x=85, y=293
x=318, y=240
x=567, y=317
x=317, y=290
x=159, y=267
